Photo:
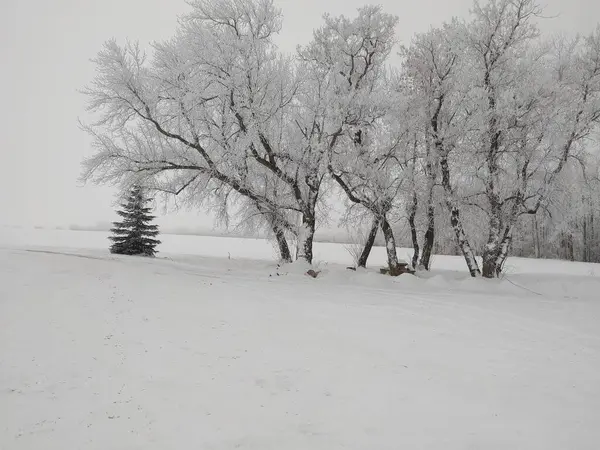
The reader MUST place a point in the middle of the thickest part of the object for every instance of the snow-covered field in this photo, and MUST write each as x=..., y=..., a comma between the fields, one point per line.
x=210, y=346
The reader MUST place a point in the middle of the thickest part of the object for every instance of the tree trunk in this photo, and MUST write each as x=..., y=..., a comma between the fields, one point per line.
x=595, y=248
x=585, y=240
x=285, y=255
x=489, y=268
x=459, y=231
x=498, y=246
x=490, y=260
x=503, y=249
x=412, y=213
x=463, y=242
x=429, y=239
x=570, y=247
x=306, y=237
x=544, y=240
x=309, y=222
x=536, y=237
x=284, y=249
x=364, y=256
x=428, y=242
x=492, y=247
x=390, y=246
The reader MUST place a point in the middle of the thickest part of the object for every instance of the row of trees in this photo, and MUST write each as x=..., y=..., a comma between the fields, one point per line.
x=476, y=128
x=567, y=226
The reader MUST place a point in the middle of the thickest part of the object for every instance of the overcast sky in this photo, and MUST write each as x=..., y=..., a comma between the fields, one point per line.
x=45, y=48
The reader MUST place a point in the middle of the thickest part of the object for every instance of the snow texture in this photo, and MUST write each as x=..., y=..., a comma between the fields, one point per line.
x=100, y=351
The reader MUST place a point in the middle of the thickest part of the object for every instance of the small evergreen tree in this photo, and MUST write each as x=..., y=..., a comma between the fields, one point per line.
x=134, y=235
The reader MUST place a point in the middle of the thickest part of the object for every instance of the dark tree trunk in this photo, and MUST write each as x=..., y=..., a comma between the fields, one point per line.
x=570, y=247
x=462, y=241
x=284, y=249
x=455, y=221
x=428, y=242
x=495, y=257
x=544, y=240
x=364, y=256
x=306, y=237
x=489, y=268
x=492, y=248
x=429, y=239
x=586, y=243
x=492, y=251
x=285, y=255
x=536, y=237
x=390, y=246
x=412, y=214
x=595, y=250
x=503, y=250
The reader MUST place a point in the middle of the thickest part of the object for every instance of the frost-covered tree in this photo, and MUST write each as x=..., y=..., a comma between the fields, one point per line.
x=432, y=68
x=135, y=234
x=422, y=201
x=219, y=113
x=202, y=118
x=505, y=111
x=342, y=70
x=372, y=177
x=535, y=104
x=353, y=101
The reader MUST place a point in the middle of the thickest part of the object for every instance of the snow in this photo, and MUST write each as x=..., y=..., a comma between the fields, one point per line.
x=204, y=348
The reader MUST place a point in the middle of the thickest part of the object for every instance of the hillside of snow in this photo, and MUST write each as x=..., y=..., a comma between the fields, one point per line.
x=212, y=346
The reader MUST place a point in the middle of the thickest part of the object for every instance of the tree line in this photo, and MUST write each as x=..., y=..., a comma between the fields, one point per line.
x=474, y=131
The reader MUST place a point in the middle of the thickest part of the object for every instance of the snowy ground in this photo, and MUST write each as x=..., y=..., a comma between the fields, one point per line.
x=196, y=350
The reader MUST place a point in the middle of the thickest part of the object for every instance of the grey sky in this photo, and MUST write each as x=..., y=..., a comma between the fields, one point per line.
x=45, y=48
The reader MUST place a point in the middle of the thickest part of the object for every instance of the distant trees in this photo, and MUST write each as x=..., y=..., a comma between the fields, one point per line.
x=474, y=131
x=567, y=227
x=134, y=235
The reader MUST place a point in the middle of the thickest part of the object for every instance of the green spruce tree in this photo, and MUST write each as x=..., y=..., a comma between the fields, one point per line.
x=135, y=235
